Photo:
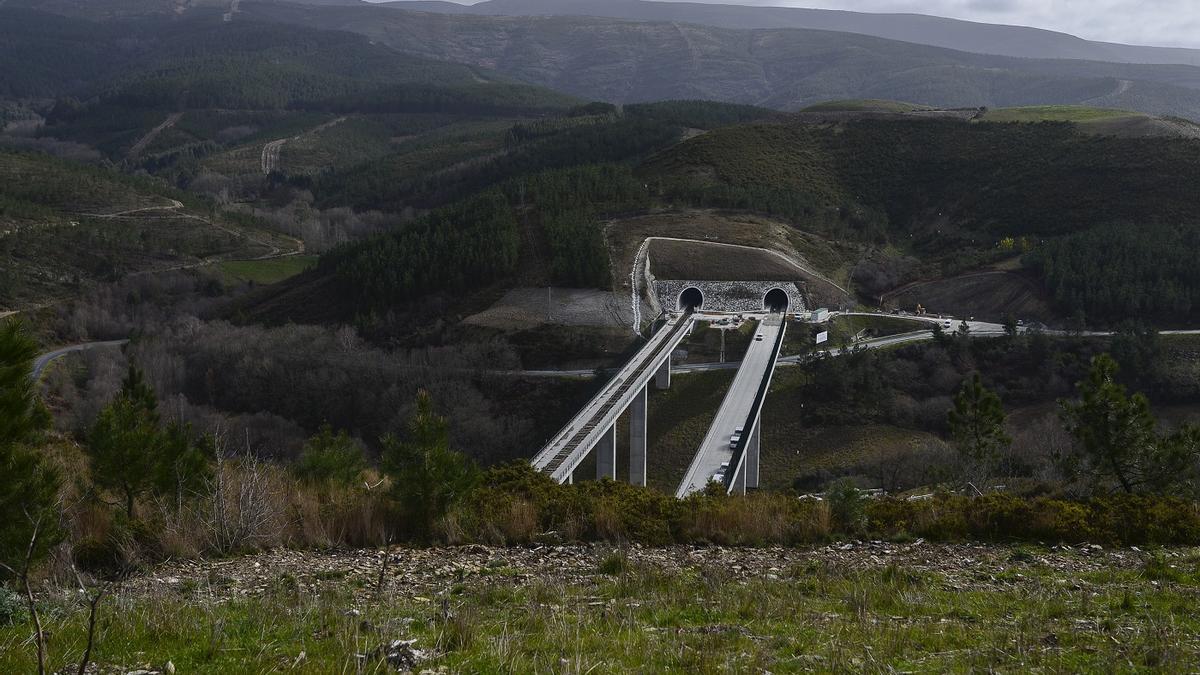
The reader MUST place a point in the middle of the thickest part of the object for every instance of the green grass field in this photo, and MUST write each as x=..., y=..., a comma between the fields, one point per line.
x=265, y=271
x=1018, y=610
x=865, y=105
x=1056, y=113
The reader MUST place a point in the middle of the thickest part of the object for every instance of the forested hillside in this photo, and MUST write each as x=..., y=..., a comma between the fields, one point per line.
x=950, y=195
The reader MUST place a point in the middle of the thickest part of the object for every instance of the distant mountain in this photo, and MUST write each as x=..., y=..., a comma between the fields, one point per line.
x=966, y=36
x=202, y=61
x=623, y=61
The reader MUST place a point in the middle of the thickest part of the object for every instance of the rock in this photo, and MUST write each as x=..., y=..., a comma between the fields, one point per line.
x=169, y=669
x=399, y=654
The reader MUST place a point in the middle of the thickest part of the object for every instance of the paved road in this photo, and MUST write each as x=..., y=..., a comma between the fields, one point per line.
x=714, y=450
x=42, y=362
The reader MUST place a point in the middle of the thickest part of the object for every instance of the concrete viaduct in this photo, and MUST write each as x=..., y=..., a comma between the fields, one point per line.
x=726, y=455
x=595, y=427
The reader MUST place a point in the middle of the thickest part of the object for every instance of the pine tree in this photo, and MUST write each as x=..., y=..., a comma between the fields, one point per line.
x=28, y=484
x=1115, y=430
x=331, y=459
x=977, y=423
x=428, y=477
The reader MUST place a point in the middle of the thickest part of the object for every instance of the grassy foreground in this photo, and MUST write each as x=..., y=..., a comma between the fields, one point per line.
x=590, y=610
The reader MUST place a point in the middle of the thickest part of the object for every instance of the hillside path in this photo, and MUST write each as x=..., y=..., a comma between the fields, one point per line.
x=146, y=140
x=272, y=150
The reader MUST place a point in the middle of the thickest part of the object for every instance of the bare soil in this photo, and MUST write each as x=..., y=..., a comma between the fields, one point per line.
x=988, y=296
x=525, y=308
x=715, y=262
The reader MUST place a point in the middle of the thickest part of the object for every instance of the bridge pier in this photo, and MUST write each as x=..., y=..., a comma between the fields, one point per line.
x=606, y=454
x=637, y=438
x=662, y=378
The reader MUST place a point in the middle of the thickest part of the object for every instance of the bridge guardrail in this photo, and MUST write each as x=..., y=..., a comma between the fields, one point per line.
x=748, y=428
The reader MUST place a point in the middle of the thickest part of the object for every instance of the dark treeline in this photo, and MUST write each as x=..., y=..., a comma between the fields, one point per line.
x=386, y=184
x=568, y=204
x=1118, y=271
x=567, y=180
x=468, y=245
x=943, y=183
x=699, y=114
x=476, y=242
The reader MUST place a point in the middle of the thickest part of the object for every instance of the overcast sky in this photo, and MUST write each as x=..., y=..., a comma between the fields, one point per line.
x=1172, y=23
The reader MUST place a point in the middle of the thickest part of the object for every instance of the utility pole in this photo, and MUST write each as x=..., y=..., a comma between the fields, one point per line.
x=549, y=305
x=722, y=359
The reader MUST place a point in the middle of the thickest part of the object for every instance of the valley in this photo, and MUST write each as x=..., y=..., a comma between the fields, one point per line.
x=334, y=333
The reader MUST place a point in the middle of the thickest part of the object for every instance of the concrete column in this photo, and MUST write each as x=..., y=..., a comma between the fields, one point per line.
x=662, y=379
x=752, y=448
x=606, y=454
x=637, y=438
x=739, y=480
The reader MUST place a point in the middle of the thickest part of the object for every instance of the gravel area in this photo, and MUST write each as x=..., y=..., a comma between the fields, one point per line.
x=423, y=573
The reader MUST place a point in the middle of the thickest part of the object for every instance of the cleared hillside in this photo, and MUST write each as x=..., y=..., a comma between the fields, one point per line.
x=64, y=226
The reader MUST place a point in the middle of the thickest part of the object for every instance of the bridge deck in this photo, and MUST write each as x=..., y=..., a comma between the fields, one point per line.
x=568, y=448
x=756, y=367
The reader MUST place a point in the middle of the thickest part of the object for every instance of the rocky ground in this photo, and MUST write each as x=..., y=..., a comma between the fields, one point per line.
x=423, y=573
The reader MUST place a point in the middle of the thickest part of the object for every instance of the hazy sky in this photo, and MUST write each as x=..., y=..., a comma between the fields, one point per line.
x=1146, y=22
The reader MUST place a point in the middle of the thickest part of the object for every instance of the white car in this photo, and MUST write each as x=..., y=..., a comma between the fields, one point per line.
x=718, y=477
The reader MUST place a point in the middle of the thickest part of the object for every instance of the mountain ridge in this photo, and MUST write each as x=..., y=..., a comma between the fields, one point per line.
x=624, y=61
x=962, y=35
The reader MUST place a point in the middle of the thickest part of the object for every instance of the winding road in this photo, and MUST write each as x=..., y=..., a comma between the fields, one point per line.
x=42, y=362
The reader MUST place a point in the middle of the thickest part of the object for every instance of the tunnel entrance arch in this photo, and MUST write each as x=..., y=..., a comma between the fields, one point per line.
x=776, y=300
x=691, y=299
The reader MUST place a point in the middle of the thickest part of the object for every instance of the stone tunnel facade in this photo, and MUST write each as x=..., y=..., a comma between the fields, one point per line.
x=728, y=296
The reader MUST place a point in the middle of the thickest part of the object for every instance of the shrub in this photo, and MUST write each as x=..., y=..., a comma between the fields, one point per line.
x=614, y=564
x=330, y=459
x=847, y=505
x=12, y=607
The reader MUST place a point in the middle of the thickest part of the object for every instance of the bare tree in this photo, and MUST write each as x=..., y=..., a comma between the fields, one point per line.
x=93, y=603
x=243, y=509
x=23, y=575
